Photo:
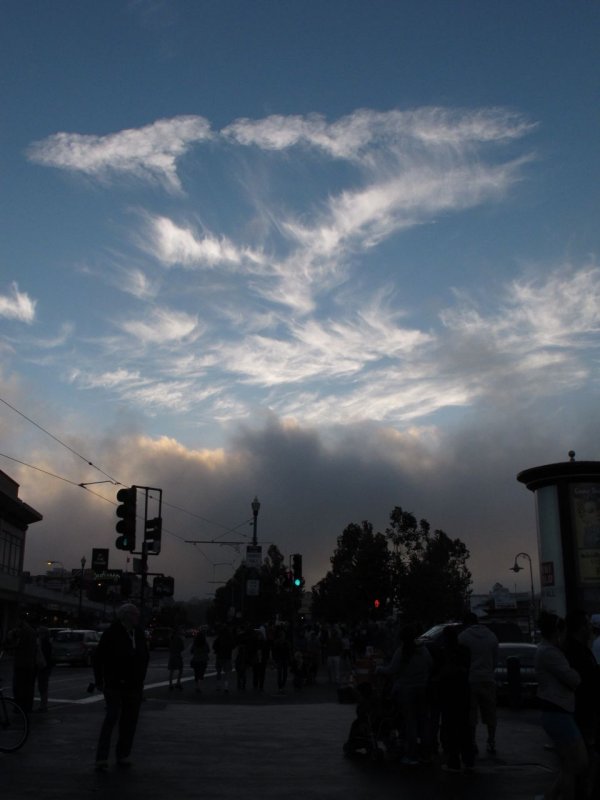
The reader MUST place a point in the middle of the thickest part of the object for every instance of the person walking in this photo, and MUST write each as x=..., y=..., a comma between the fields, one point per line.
x=223, y=648
x=576, y=647
x=120, y=663
x=334, y=649
x=260, y=658
x=557, y=682
x=22, y=643
x=453, y=696
x=482, y=645
x=243, y=656
x=411, y=668
x=282, y=656
x=200, y=652
x=175, y=664
x=44, y=666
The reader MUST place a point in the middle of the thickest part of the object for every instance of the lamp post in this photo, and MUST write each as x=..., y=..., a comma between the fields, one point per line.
x=516, y=568
x=255, y=509
x=81, y=589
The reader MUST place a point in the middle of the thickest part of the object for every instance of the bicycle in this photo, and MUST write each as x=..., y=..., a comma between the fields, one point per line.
x=14, y=725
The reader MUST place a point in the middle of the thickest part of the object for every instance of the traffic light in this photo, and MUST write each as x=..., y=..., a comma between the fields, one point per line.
x=153, y=535
x=127, y=518
x=297, y=570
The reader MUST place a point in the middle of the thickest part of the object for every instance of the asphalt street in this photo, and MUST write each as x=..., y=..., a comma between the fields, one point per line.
x=255, y=745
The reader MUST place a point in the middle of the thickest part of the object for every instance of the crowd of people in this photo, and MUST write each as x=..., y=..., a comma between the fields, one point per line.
x=434, y=696
x=31, y=650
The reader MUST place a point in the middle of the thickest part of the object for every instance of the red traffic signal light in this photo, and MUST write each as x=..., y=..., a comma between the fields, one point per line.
x=376, y=603
x=127, y=519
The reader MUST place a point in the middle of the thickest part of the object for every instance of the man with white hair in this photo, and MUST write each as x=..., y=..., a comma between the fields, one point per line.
x=120, y=664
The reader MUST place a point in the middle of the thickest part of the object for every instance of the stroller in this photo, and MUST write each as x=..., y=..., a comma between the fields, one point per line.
x=374, y=732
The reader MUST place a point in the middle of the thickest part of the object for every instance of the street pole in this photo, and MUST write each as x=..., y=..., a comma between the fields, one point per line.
x=516, y=568
x=255, y=510
x=81, y=590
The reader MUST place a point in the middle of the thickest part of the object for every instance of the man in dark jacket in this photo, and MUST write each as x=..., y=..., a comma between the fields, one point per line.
x=120, y=664
x=577, y=649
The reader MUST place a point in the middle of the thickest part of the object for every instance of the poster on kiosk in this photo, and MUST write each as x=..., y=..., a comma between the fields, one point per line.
x=567, y=497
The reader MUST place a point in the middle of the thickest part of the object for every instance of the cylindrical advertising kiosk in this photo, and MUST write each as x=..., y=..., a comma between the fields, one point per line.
x=568, y=528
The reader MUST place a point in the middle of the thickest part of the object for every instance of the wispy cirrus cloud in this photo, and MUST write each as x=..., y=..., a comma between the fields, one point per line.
x=294, y=318
x=177, y=245
x=162, y=326
x=149, y=153
x=17, y=305
x=356, y=135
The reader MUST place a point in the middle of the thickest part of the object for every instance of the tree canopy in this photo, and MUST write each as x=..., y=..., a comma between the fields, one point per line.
x=409, y=571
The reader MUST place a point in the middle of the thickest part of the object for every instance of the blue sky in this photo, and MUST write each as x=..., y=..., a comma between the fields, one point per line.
x=341, y=255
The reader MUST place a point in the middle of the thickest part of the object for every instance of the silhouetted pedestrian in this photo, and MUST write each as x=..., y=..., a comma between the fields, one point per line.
x=44, y=665
x=282, y=655
x=22, y=642
x=334, y=648
x=577, y=649
x=411, y=668
x=243, y=656
x=453, y=694
x=120, y=663
x=199, y=661
x=259, y=660
x=557, y=682
x=175, y=664
x=223, y=648
x=482, y=644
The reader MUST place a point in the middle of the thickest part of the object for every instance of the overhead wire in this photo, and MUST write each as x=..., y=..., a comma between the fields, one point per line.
x=56, y=439
x=113, y=480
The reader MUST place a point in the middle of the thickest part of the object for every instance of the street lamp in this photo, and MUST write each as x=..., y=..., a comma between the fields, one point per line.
x=81, y=589
x=516, y=568
x=255, y=509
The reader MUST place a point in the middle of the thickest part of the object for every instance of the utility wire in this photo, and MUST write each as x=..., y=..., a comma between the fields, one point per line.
x=56, y=439
x=113, y=502
x=112, y=480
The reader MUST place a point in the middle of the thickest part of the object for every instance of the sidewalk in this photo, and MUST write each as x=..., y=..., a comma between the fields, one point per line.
x=220, y=750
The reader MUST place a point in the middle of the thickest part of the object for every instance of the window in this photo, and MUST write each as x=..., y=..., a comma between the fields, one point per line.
x=11, y=550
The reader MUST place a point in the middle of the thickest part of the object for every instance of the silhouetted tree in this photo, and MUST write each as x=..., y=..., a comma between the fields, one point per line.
x=431, y=579
x=360, y=574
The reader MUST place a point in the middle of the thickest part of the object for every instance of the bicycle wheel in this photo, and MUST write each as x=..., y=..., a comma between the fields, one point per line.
x=14, y=726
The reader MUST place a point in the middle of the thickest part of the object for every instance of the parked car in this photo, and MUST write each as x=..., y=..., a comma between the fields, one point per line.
x=505, y=631
x=525, y=653
x=74, y=647
x=160, y=637
x=54, y=631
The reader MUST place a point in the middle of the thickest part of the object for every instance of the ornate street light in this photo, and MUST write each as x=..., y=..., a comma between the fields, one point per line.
x=516, y=568
x=255, y=509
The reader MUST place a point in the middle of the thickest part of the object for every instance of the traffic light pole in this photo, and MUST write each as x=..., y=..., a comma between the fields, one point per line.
x=143, y=583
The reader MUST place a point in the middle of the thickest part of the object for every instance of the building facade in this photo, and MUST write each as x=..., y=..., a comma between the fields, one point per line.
x=15, y=517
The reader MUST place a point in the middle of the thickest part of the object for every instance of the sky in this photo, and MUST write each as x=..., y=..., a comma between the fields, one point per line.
x=341, y=256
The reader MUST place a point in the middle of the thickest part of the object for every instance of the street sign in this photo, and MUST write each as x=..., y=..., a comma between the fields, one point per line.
x=253, y=555
x=99, y=559
x=252, y=587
